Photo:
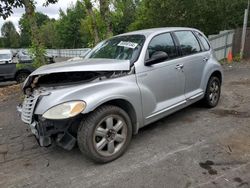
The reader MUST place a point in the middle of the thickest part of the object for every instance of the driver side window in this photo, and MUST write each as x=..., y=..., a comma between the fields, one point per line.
x=163, y=42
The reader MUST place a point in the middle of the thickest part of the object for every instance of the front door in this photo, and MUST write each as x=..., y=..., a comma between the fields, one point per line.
x=162, y=85
x=7, y=70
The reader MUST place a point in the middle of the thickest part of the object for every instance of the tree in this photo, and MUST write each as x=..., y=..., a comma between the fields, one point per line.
x=25, y=28
x=90, y=22
x=6, y=9
x=68, y=27
x=10, y=35
x=49, y=34
x=7, y=6
x=124, y=15
x=106, y=16
x=210, y=16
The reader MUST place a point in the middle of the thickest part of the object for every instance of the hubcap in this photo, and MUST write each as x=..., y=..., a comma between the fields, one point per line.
x=214, y=92
x=110, y=135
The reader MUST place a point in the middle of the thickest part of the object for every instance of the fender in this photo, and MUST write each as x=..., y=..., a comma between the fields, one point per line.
x=95, y=94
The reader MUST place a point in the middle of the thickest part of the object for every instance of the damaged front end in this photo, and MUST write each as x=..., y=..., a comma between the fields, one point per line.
x=59, y=119
x=67, y=78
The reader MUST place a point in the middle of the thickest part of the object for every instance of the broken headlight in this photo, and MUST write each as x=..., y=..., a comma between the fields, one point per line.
x=65, y=110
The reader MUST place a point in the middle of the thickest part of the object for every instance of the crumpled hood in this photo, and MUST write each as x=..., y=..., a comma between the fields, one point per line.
x=84, y=65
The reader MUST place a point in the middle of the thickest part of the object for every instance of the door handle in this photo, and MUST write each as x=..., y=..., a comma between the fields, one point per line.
x=205, y=59
x=179, y=66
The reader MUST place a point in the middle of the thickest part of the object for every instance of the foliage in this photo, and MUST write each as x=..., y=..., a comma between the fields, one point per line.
x=49, y=34
x=10, y=35
x=7, y=6
x=68, y=27
x=123, y=15
x=25, y=27
x=6, y=9
x=210, y=16
x=38, y=54
x=237, y=58
x=89, y=21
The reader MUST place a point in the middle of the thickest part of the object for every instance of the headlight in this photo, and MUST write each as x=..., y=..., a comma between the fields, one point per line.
x=65, y=110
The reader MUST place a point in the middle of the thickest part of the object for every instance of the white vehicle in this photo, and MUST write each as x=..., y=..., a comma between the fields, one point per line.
x=5, y=56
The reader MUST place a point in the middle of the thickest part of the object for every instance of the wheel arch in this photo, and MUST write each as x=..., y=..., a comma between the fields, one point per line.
x=127, y=107
x=22, y=71
x=217, y=74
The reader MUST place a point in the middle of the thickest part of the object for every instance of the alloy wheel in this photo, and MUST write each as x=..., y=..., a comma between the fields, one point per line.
x=110, y=135
x=214, y=92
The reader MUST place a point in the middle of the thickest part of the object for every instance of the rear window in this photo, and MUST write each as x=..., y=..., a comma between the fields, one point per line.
x=188, y=42
x=203, y=41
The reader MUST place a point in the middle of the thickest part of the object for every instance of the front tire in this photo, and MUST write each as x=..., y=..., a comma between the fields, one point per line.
x=213, y=91
x=21, y=77
x=105, y=134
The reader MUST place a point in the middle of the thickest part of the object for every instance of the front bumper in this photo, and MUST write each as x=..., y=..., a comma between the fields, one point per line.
x=62, y=132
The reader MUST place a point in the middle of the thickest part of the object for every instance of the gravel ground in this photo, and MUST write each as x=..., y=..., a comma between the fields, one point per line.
x=196, y=147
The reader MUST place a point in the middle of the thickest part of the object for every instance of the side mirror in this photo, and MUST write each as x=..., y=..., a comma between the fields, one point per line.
x=157, y=57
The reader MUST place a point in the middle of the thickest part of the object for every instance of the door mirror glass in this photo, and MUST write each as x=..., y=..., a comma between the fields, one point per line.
x=156, y=57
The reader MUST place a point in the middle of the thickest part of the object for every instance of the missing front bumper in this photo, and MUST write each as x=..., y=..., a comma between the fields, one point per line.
x=62, y=132
x=59, y=131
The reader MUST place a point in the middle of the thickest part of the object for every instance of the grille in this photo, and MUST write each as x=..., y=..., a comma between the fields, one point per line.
x=28, y=108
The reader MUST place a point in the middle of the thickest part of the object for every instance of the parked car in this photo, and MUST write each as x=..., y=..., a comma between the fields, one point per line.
x=24, y=57
x=16, y=67
x=122, y=85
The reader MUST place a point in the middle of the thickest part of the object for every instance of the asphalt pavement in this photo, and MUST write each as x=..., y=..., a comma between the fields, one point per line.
x=196, y=147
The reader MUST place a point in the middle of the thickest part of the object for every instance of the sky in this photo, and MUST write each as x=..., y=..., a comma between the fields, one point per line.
x=52, y=11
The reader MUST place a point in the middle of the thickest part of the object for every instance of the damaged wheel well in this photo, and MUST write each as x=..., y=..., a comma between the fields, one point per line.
x=127, y=107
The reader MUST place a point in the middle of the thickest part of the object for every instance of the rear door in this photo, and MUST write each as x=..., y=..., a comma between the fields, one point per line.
x=194, y=61
x=162, y=85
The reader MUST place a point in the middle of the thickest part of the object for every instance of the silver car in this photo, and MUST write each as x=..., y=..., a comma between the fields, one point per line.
x=122, y=85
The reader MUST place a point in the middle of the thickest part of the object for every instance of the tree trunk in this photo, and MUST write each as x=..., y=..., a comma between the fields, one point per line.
x=91, y=14
x=105, y=13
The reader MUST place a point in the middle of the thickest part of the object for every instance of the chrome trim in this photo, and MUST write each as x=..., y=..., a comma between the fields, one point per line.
x=196, y=96
x=28, y=108
x=29, y=104
x=166, y=109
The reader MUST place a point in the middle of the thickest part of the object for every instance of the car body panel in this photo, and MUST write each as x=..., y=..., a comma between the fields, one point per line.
x=84, y=65
x=7, y=68
x=95, y=94
x=162, y=86
x=7, y=71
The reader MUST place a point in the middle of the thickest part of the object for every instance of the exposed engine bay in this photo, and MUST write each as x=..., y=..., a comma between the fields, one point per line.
x=69, y=78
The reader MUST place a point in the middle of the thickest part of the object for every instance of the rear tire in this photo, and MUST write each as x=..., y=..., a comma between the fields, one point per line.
x=105, y=134
x=213, y=91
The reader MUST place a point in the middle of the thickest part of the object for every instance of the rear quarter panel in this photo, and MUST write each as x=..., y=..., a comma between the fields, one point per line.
x=211, y=66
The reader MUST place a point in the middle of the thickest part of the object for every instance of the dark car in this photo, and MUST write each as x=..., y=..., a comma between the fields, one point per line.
x=16, y=68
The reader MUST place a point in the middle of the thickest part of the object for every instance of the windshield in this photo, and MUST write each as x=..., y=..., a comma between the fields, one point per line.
x=122, y=47
x=5, y=56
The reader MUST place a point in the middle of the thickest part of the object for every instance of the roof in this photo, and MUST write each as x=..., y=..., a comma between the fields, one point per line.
x=5, y=52
x=148, y=32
